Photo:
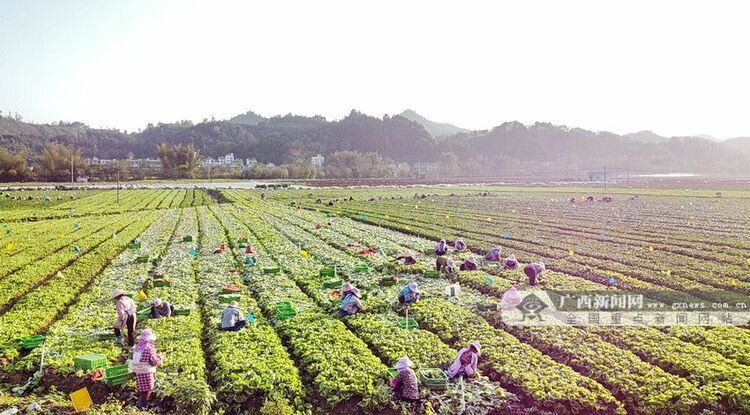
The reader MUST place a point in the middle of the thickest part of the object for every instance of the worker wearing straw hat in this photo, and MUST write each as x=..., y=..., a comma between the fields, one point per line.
x=143, y=365
x=350, y=302
x=231, y=318
x=405, y=385
x=126, y=317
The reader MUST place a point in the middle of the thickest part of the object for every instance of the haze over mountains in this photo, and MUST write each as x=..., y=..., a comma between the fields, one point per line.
x=510, y=148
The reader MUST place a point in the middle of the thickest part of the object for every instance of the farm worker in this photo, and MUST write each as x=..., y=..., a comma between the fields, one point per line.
x=510, y=262
x=408, y=258
x=445, y=264
x=248, y=249
x=405, y=385
x=318, y=226
x=409, y=294
x=330, y=222
x=612, y=283
x=143, y=365
x=459, y=244
x=231, y=318
x=469, y=264
x=441, y=248
x=126, y=318
x=493, y=254
x=161, y=308
x=534, y=271
x=572, y=200
x=466, y=362
x=350, y=303
x=510, y=299
x=590, y=198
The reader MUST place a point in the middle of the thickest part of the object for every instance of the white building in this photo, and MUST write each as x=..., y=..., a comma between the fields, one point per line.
x=229, y=159
x=317, y=161
x=250, y=161
x=270, y=165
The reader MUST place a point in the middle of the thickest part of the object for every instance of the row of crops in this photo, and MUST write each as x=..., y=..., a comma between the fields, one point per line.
x=315, y=362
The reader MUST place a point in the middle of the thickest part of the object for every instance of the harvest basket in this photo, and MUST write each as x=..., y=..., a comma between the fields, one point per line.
x=432, y=378
x=104, y=335
x=134, y=246
x=230, y=289
x=141, y=259
x=406, y=322
x=271, y=270
x=388, y=281
x=31, y=342
x=228, y=298
x=392, y=372
x=327, y=272
x=90, y=361
x=144, y=314
x=332, y=284
x=188, y=238
x=361, y=268
x=284, y=310
x=117, y=375
x=182, y=311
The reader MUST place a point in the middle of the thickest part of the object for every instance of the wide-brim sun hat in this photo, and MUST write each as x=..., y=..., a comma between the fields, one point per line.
x=477, y=346
x=413, y=287
x=114, y=293
x=147, y=335
x=234, y=304
x=158, y=301
x=404, y=363
x=541, y=265
x=347, y=287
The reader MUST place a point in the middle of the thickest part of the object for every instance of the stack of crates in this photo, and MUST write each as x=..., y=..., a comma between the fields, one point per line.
x=31, y=342
x=117, y=375
x=91, y=361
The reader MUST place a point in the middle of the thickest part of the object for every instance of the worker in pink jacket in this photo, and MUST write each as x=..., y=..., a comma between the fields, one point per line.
x=466, y=362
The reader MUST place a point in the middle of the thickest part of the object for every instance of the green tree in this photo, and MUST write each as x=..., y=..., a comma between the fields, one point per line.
x=12, y=167
x=55, y=161
x=179, y=161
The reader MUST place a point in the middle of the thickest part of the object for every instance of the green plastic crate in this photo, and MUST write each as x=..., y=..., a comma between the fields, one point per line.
x=285, y=313
x=144, y=314
x=432, y=378
x=392, y=372
x=406, y=323
x=104, y=336
x=182, y=311
x=271, y=270
x=387, y=281
x=284, y=304
x=232, y=290
x=90, y=361
x=228, y=298
x=332, y=284
x=361, y=268
x=327, y=272
x=117, y=375
x=143, y=259
x=432, y=274
x=188, y=238
x=31, y=342
x=134, y=246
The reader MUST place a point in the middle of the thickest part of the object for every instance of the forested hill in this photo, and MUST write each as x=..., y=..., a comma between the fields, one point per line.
x=509, y=148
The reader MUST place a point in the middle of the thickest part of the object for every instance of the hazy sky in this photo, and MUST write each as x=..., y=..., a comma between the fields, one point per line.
x=675, y=67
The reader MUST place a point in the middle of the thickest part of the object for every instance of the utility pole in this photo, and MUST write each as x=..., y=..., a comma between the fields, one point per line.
x=71, y=166
x=605, y=178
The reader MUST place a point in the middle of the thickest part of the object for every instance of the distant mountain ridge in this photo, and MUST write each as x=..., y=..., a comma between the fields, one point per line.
x=510, y=148
x=436, y=129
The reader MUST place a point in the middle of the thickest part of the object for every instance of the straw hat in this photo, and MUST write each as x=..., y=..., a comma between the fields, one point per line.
x=347, y=287
x=147, y=335
x=114, y=293
x=404, y=363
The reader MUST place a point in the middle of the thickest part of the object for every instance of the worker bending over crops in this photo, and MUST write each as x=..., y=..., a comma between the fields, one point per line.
x=466, y=362
x=493, y=254
x=350, y=303
x=459, y=244
x=409, y=294
x=126, y=317
x=441, y=248
x=445, y=264
x=405, y=385
x=469, y=264
x=231, y=318
x=161, y=308
x=534, y=271
x=510, y=262
x=143, y=365
x=408, y=258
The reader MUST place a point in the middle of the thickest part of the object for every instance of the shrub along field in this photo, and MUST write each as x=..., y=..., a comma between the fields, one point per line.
x=59, y=260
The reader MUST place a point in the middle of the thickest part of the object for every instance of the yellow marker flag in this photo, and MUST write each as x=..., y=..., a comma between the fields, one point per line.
x=748, y=261
x=61, y=235
x=10, y=247
x=416, y=206
x=514, y=211
x=408, y=228
x=386, y=216
x=304, y=253
x=81, y=400
x=142, y=296
x=651, y=248
x=489, y=219
x=447, y=217
x=570, y=252
x=317, y=210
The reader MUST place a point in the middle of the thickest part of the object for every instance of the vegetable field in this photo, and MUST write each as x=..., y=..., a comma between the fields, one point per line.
x=59, y=258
